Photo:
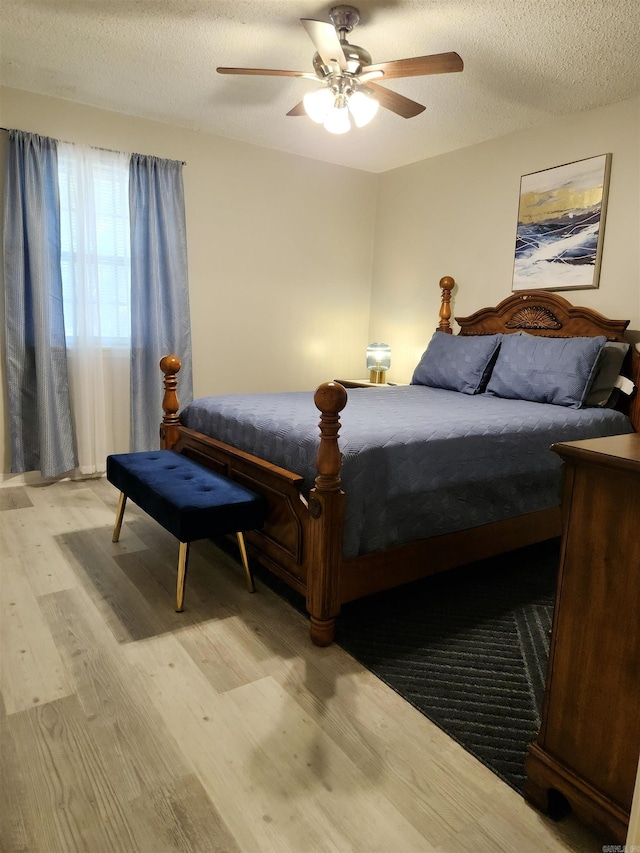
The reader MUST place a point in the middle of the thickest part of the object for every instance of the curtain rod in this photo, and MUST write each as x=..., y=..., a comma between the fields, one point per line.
x=98, y=148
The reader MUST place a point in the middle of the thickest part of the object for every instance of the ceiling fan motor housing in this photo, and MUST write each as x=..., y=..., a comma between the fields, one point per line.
x=344, y=19
x=357, y=57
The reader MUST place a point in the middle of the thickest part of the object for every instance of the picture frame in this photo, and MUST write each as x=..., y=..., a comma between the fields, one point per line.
x=560, y=230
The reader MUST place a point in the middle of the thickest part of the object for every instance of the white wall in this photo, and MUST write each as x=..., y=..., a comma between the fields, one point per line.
x=286, y=255
x=279, y=249
x=456, y=215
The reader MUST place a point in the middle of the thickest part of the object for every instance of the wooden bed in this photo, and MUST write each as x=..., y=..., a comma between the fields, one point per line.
x=301, y=541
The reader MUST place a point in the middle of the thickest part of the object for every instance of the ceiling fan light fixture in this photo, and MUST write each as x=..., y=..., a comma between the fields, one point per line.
x=338, y=119
x=318, y=104
x=362, y=108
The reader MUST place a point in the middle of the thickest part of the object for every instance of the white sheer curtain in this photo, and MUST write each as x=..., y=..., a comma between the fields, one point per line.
x=96, y=274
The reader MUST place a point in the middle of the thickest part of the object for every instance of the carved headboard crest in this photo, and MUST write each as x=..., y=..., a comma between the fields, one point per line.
x=533, y=317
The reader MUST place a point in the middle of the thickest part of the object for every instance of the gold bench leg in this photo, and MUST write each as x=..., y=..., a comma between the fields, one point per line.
x=183, y=556
x=245, y=562
x=119, y=515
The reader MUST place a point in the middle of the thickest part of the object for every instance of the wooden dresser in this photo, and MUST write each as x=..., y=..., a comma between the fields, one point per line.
x=589, y=741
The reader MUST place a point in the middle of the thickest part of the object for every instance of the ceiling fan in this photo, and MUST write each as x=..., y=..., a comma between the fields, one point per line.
x=347, y=75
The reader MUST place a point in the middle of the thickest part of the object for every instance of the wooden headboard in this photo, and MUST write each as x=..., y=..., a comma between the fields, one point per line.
x=540, y=312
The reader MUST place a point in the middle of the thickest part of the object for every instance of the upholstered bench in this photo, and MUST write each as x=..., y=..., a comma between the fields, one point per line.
x=188, y=500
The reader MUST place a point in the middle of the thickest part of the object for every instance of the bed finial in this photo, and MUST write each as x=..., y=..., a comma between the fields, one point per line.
x=169, y=365
x=330, y=398
x=446, y=285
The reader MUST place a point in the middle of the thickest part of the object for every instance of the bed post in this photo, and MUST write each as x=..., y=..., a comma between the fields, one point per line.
x=446, y=285
x=169, y=365
x=326, y=507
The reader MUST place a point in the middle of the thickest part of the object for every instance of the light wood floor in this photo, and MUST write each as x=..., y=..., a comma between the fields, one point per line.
x=127, y=727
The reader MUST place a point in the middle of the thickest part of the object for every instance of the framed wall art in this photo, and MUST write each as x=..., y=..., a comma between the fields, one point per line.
x=560, y=229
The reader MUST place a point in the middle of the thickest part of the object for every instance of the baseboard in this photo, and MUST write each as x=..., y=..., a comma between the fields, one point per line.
x=34, y=478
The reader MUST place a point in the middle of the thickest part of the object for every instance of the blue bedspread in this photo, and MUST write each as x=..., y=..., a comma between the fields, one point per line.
x=417, y=461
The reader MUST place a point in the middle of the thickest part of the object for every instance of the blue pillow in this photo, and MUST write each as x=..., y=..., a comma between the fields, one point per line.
x=545, y=370
x=457, y=362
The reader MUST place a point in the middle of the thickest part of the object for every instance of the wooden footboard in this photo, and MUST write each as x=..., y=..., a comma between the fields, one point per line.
x=282, y=542
x=301, y=541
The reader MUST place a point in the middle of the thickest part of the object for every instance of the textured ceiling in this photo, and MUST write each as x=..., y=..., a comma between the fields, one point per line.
x=525, y=62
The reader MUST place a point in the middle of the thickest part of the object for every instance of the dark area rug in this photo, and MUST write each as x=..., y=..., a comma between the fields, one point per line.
x=468, y=648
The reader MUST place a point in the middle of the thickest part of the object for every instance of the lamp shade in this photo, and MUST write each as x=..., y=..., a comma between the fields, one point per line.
x=362, y=108
x=338, y=119
x=317, y=104
x=333, y=106
x=378, y=361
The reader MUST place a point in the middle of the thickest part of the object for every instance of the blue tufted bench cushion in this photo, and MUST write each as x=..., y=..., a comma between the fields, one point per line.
x=187, y=499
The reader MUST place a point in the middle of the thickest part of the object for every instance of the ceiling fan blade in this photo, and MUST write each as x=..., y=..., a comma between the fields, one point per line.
x=267, y=72
x=437, y=63
x=327, y=43
x=370, y=75
x=298, y=110
x=398, y=104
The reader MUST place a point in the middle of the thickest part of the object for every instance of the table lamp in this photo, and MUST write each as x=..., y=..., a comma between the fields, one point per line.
x=378, y=362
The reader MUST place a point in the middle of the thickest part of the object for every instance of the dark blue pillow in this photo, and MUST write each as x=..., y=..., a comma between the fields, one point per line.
x=457, y=362
x=545, y=370
x=608, y=367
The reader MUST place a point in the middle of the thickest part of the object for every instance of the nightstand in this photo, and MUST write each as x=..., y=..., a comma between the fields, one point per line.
x=589, y=740
x=364, y=383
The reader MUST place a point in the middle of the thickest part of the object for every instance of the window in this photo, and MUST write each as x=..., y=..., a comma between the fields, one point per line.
x=95, y=246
